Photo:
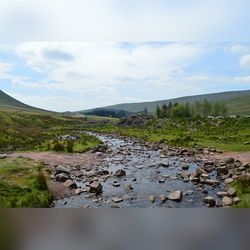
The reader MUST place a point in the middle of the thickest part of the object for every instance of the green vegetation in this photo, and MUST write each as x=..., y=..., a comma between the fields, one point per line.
x=196, y=110
x=81, y=145
x=24, y=131
x=9, y=103
x=238, y=102
x=242, y=187
x=226, y=134
x=23, y=184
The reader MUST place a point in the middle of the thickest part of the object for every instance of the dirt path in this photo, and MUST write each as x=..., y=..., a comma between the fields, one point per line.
x=52, y=159
x=244, y=157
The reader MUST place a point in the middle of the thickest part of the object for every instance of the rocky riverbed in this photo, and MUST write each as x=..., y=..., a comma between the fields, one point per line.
x=129, y=173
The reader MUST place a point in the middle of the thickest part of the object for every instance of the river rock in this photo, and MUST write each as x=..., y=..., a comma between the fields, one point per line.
x=231, y=191
x=228, y=180
x=78, y=191
x=120, y=173
x=230, y=160
x=163, y=198
x=90, y=174
x=211, y=182
x=61, y=169
x=210, y=201
x=117, y=199
x=152, y=198
x=222, y=193
x=3, y=156
x=222, y=170
x=227, y=201
x=103, y=172
x=69, y=184
x=184, y=166
x=237, y=163
x=128, y=188
x=236, y=200
x=175, y=196
x=62, y=177
x=96, y=187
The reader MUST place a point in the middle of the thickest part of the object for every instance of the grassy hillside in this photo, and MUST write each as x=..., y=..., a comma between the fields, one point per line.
x=8, y=103
x=237, y=101
x=40, y=131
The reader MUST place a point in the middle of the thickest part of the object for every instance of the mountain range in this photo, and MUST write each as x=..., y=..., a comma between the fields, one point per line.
x=238, y=102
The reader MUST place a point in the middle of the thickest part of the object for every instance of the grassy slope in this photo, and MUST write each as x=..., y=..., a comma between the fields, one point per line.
x=9, y=103
x=238, y=102
x=23, y=184
x=228, y=135
x=38, y=131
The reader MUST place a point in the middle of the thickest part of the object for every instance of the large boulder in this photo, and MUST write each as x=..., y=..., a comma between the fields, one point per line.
x=69, y=184
x=222, y=170
x=227, y=201
x=61, y=169
x=62, y=177
x=96, y=187
x=175, y=196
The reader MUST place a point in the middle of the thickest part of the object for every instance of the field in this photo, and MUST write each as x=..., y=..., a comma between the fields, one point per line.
x=23, y=131
x=23, y=184
x=223, y=134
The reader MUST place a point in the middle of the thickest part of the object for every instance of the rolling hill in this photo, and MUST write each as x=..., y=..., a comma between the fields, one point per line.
x=238, y=102
x=10, y=103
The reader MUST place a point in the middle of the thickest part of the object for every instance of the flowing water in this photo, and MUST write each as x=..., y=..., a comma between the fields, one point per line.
x=146, y=175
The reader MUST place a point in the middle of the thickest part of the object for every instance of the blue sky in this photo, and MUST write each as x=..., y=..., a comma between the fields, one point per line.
x=61, y=59
x=79, y=75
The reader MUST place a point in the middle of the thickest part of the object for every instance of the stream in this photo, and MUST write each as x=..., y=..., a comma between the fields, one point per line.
x=148, y=173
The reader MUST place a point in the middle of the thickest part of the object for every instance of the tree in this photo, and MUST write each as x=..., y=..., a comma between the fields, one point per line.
x=164, y=111
x=217, y=109
x=197, y=109
x=158, y=112
x=224, y=109
x=145, y=111
x=206, y=108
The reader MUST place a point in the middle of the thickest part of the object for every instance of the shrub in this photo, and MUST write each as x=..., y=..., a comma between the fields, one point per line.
x=70, y=146
x=58, y=146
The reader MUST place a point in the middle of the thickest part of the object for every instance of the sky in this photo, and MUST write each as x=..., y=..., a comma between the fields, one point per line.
x=74, y=55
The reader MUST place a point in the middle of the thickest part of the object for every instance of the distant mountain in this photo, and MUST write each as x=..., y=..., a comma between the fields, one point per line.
x=238, y=102
x=8, y=102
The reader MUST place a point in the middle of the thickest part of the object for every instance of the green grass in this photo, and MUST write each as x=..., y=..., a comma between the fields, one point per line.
x=242, y=187
x=25, y=131
x=85, y=143
x=23, y=184
x=226, y=134
x=237, y=102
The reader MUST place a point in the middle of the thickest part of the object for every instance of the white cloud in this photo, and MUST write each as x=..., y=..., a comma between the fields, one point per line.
x=239, y=49
x=107, y=64
x=242, y=79
x=123, y=20
x=245, y=61
x=5, y=68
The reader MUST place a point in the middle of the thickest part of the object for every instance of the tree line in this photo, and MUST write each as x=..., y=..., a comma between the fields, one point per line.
x=195, y=110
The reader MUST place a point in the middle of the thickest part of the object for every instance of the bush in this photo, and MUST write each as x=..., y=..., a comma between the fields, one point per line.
x=58, y=147
x=70, y=146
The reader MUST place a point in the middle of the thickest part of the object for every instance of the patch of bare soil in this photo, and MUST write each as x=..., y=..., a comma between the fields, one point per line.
x=244, y=157
x=52, y=159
